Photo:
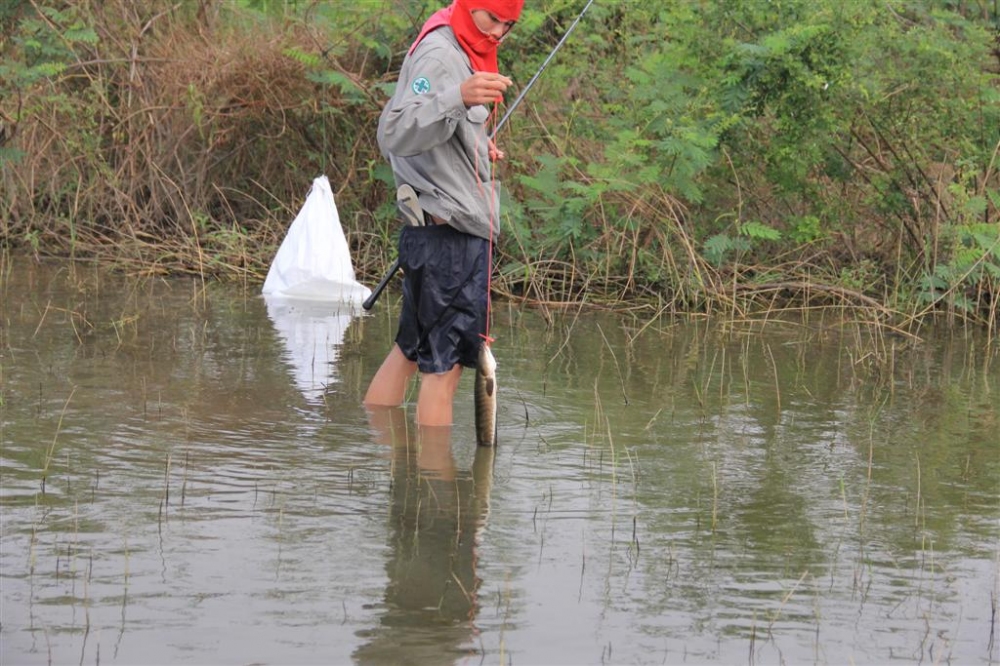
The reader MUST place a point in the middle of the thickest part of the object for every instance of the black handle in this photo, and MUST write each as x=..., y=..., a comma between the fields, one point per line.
x=380, y=287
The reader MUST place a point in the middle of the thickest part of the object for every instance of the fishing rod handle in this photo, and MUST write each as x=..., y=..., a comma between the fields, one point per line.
x=380, y=287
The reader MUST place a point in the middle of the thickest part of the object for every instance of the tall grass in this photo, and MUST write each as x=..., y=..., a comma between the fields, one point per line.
x=177, y=142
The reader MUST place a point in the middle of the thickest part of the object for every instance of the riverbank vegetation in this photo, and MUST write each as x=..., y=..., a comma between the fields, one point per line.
x=692, y=156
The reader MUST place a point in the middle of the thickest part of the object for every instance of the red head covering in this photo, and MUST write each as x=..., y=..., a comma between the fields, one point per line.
x=480, y=47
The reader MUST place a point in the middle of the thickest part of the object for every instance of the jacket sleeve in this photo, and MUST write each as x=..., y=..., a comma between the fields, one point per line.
x=424, y=110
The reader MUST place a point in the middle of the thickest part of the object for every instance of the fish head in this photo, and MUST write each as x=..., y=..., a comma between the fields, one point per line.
x=487, y=364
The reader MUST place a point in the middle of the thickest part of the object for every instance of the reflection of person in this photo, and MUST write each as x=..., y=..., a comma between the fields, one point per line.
x=436, y=516
x=434, y=133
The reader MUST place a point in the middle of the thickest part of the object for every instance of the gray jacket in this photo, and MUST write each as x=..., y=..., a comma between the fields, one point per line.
x=437, y=145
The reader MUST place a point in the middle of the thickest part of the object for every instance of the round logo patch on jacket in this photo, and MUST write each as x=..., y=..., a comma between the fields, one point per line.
x=420, y=85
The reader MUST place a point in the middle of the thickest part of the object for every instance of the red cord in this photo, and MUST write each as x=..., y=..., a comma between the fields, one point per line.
x=494, y=213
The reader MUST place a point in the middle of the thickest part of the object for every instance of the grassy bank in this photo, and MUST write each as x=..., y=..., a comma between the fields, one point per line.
x=674, y=157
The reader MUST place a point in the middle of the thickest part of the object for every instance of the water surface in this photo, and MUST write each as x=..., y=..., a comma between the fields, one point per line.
x=188, y=476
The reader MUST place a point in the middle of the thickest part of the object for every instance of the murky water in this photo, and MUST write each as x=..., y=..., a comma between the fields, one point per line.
x=188, y=477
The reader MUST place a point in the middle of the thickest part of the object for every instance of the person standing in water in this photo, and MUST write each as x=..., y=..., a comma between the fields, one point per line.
x=434, y=133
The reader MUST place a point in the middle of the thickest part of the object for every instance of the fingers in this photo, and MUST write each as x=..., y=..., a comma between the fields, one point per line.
x=484, y=88
x=495, y=153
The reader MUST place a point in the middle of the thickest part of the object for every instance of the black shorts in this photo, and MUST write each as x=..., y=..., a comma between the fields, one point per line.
x=444, y=296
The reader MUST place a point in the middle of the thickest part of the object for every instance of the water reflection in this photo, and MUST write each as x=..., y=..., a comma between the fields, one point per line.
x=312, y=333
x=437, y=516
x=671, y=492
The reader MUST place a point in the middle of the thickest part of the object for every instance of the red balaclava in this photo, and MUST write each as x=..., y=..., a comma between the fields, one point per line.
x=480, y=47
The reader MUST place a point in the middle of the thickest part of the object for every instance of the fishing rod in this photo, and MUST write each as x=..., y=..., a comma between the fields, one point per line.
x=370, y=301
x=541, y=69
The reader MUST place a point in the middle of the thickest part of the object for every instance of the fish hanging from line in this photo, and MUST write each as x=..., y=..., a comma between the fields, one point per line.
x=486, y=396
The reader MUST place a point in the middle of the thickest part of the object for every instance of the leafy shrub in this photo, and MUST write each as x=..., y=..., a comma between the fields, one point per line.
x=669, y=152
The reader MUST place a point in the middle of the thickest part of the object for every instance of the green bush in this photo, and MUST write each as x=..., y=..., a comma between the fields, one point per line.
x=669, y=151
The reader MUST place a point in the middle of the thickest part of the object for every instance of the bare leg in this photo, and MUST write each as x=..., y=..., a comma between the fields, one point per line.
x=437, y=392
x=388, y=387
x=433, y=443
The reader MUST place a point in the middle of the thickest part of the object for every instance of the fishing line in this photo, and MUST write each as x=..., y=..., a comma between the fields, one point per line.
x=494, y=211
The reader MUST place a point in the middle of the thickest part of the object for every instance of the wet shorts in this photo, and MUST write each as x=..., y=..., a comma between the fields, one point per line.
x=444, y=296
